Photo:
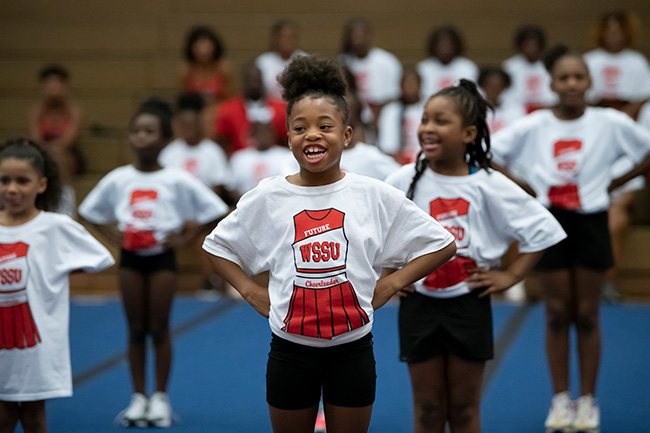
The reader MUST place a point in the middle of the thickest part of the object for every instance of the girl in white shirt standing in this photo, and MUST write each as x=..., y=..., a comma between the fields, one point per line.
x=156, y=210
x=445, y=327
x=38, y=251
x=564, y=156
x=323, y=234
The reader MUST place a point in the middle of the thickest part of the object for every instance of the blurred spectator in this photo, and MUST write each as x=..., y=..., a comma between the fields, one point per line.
x=232, y=122
x=530, y=79
x=493, y=82
x=445, y=64
x=284, y=47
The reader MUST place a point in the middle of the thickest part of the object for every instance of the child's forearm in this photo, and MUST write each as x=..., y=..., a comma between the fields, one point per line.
x=523, y=264
x=109, y=232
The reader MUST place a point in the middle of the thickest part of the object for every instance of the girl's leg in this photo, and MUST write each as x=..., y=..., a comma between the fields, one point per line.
x=347, y=419
x=9, y=413
x=133, y=289
x=559, y=296
x=32, y=416
x=429, y=385
x=588, y=285
x=161, y=295
x=464, y=379
x=294, y=421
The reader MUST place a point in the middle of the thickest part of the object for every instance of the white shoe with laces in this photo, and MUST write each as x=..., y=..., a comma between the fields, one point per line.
x=587, y=415
x=159, y=412
x=561, y=414
x=135, y=413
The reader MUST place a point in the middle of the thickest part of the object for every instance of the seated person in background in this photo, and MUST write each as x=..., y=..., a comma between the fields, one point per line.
x=399, y=120
x=232, y=122
x=620, y=75
x=284, y=47
x=530, y=80
x=263, y=159
x=55, y=122
x=494, y=82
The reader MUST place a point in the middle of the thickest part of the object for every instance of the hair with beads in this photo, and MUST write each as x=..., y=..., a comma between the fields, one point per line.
x=314, y=77
x=473, y=109
x=25, y=149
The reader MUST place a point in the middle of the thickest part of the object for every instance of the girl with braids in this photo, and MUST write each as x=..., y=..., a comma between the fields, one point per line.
x=323, y=234
x=156, y=210
x=38, y=251
x=445, y=326
x=564, y=156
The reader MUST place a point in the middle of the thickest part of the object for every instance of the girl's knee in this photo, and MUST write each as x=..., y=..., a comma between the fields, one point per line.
x=558, y=317
x=463, y=412
x=430, y=413
x=137, y=334
x=587, y=321
x=159, y=333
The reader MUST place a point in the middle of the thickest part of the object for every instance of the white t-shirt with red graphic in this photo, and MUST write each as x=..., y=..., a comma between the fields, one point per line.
x=377, y=75
x=486, y=213
x=568, y=163
x=504, y=115
x=624, y=75
x=36, y=259
x=436, y=76
x=148, y=206
x=530, y=83
x=398, y=130
x=271, y=64
x=250, y=165
x=368, y=160
x=206, y=161
x=324, y=247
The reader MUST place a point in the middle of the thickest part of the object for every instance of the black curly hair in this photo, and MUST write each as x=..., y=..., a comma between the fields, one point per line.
x=26, y=149
x=203, y=32
x=314, y=77
x=556, y=53
x=473, y=108
x=162, y=110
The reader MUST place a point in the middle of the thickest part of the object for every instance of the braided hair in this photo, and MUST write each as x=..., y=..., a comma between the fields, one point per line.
x=473, y=109
x=43, y=163
x=314, y=77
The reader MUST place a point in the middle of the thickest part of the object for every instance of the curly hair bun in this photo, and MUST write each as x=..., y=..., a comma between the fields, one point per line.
x=312, y=74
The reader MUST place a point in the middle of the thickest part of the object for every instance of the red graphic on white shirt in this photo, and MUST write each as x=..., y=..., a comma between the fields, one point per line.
x=453, y=215
x=191, y=165
x=567, y=154
x=17, y=327
x=324, y=303
x=139, y=234
x=445, y=82
x=611, y=76
x=260, y=171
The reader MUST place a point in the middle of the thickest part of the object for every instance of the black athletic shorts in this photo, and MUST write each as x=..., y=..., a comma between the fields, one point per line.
x=296, y=374
x=587, y=243
x=165, y=261
x=430, y=327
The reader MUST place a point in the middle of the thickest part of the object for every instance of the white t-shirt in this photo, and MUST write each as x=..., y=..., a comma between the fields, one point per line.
x=530, y=83
x=271, y=64
x=377, y=75
x=36, y=259
x=436, y=76
x=324, y=247
x=624, y=75
x=568, y=163
x=504, y=115
x=644, y=116
x=250, y=165
x=486, y=213
x=368, y=160
x=206, y=161
x=148, y=206
x=398, y=129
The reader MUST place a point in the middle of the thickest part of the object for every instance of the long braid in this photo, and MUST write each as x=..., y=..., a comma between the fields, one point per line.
x=420, y=166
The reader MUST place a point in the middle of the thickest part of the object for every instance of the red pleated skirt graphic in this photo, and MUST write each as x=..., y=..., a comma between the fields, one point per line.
x=324, y=312
x=451, y=273
x=17, y=327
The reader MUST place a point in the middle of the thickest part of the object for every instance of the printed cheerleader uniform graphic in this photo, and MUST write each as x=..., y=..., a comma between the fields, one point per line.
x=17, y=327
x=568, y=155
x=323, y=303
x=139, y=233
x=453, y=215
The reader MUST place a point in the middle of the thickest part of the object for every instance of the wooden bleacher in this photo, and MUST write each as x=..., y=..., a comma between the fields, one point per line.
x=120, y=52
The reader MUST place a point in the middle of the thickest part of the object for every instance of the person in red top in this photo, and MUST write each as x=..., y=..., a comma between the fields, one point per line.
x=232, y=122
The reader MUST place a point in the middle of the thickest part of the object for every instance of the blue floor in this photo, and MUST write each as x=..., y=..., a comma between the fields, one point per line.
x=218, y=380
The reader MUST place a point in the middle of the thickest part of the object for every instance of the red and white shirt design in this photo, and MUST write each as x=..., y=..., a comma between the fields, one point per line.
x=453, y=215
x=324, y=303
x=568, y=158
x=17, y=327
x=139, y=233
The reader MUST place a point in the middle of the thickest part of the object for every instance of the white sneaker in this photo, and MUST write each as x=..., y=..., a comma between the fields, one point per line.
x=159, y=412
x=587, y=415
x=135, y=413
x=560, y=416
